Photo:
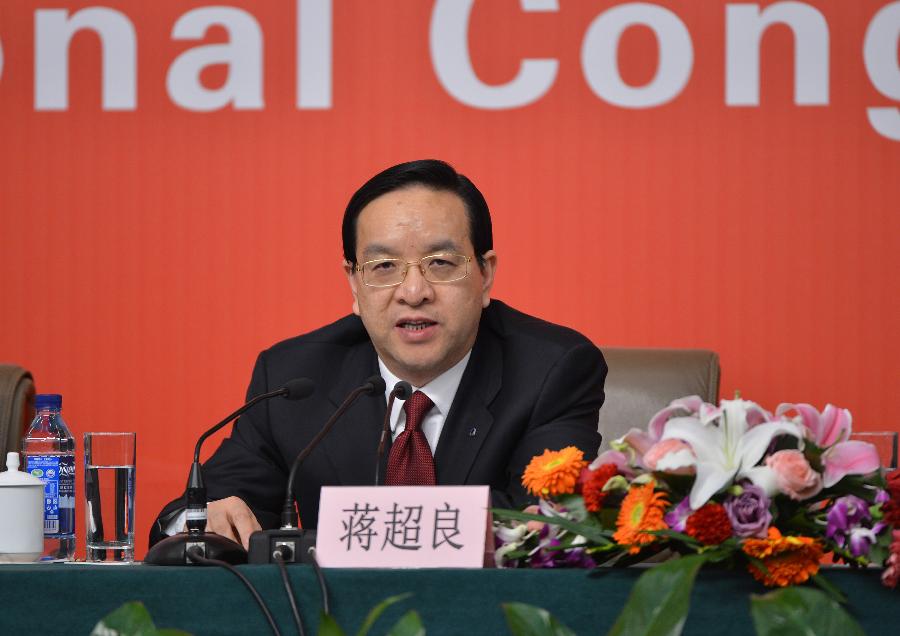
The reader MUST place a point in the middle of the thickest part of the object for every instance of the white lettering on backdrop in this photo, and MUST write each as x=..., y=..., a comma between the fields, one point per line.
x=745, y=25
x=53, y=31
x=314, y=54
x=600, y=53
x=450, y=56
x=243, y=56
x=880, y=56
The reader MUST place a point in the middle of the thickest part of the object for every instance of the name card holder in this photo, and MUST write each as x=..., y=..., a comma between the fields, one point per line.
x=405, y=527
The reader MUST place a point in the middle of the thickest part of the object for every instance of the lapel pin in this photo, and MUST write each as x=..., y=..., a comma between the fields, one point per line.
x=473, y=432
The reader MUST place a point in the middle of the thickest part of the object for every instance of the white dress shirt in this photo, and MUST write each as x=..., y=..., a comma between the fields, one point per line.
x=441, y=391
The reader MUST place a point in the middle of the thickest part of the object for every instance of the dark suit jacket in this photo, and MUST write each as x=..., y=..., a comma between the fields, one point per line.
x=529, y=385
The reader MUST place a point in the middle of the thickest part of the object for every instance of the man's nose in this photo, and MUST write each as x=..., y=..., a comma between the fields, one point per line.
x=415, y=289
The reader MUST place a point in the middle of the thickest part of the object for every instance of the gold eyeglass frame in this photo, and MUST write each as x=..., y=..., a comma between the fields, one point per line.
x=408, y=264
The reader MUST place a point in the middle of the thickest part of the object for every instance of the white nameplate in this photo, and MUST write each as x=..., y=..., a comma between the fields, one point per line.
x=404, y=527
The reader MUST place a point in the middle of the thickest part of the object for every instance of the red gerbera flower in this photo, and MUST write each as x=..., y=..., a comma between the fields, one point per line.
x=592, y=488
x=891, y=509
x=709, y=525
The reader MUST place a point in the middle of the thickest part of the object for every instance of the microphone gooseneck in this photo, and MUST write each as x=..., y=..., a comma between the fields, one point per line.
x=173, y=550
x=401, y=391
x=373, y=385
x=295, y=389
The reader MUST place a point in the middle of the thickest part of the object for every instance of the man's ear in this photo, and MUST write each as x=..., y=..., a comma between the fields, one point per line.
x=350, y=271
x=487, y=272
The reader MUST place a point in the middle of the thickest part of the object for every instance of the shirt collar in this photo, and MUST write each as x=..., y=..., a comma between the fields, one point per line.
x=441, y=390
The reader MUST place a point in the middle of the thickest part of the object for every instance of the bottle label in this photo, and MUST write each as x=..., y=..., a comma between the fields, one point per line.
x=58, y=474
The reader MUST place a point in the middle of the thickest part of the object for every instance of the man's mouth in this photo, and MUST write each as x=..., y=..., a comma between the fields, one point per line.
x=415, y=325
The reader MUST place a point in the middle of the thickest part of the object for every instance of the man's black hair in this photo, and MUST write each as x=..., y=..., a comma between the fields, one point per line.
x=430, y=173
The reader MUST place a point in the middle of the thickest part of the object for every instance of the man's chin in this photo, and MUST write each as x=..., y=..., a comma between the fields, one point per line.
x=419, y=370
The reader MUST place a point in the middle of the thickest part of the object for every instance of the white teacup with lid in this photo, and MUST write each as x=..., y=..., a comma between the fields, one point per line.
x=21, y=514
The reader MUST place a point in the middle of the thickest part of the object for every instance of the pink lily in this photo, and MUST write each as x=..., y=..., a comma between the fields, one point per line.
x=618, y=458
x=831, y=430
x=639, y=441
x=849, y=458
x=831, y=426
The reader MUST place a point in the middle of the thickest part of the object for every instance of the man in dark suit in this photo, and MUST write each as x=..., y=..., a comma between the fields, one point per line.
x=494, y=387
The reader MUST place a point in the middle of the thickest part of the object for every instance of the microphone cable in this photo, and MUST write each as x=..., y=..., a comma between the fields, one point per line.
x=194, y=555
x=278, y=557
x=323, y=588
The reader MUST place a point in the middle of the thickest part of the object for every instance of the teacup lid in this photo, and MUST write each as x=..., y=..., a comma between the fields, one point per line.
x=15, y=477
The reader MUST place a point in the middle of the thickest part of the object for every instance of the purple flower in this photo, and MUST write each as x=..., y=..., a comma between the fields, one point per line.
x=861, y=539
x=846, y=513
x=556, y=558
x=578, y=558
x=849, y=521
x=549, y=555
x=676, y=518
x=748, y=512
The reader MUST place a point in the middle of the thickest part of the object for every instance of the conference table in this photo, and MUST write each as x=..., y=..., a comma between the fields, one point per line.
x=70, y=598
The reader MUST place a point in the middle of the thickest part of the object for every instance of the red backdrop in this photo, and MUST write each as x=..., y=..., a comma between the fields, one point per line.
x=150, y=252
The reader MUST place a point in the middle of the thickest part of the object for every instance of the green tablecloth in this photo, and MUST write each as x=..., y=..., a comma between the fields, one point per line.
x=70, y=598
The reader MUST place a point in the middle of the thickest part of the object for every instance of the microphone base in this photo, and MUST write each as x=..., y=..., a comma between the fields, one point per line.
x=172, y=550
x=293, y=543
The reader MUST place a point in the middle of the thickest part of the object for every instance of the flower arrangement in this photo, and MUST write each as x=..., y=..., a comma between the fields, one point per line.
x=775, y=494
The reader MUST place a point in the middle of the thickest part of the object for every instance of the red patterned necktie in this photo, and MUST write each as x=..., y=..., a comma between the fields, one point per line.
x=410, y=462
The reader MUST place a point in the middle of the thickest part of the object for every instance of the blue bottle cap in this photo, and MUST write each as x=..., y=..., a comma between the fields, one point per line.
x=47, y=401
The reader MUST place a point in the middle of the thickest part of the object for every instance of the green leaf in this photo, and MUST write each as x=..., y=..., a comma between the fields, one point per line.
x=574, y=505
x=131, y=619
x=378, y=610
x=801, y=610
x=589, y=532
x=329, y=627
x=659, y=601
x=410, y=624
x=528, y=620
x=829, y=588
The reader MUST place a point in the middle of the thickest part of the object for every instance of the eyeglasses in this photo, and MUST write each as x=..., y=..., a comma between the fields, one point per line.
x=436, y=268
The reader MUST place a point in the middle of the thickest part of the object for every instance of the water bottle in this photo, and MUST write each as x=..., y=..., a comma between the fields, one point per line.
x=49, y=450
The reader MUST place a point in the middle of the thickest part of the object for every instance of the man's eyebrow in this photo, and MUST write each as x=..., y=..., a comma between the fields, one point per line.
x=377, y=250
x=443, y=246
x=374, y=250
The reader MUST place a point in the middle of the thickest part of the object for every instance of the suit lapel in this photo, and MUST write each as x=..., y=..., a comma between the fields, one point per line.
x=469, y=420
x=352, y=443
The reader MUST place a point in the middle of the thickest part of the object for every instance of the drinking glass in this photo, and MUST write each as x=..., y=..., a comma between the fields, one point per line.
x=109, y=463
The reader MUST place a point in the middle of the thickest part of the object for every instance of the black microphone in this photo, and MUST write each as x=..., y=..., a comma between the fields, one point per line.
x=172, y=550
x=401, y=391
x=288, y=540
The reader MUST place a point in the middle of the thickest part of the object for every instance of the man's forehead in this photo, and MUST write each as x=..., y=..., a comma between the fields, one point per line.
x=419, y=219
x=417, y=196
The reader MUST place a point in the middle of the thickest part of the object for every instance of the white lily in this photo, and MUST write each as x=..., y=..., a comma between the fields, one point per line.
x=728, y=445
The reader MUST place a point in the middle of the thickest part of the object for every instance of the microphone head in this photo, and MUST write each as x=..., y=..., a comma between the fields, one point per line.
x=402, y=390
x=298, y=388
x=376, y=385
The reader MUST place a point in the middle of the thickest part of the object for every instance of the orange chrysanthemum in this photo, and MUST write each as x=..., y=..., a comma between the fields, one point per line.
x=641, y=510
x=554, y=472
x=592, y=488
x=789, y=560
x=709, y=525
